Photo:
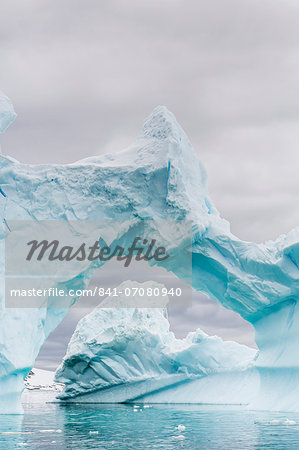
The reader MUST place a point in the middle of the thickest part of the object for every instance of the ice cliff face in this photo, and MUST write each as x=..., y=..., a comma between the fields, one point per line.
x=126, y=354
x=159, y=177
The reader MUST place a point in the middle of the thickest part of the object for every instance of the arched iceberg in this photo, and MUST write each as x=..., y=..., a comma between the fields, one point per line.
x=158, y=178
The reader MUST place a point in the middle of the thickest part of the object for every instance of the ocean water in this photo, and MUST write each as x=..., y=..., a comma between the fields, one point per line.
x=50, y=426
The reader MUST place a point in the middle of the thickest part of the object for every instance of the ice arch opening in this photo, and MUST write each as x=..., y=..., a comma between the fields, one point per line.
x=110, y=276
x=158, y=178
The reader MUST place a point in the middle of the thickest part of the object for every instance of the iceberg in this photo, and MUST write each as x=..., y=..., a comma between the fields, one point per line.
x=158, y=178
x=129, y=355
x=7, y=112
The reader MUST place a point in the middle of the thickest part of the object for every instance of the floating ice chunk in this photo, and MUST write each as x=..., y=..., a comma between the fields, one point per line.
x=93, y=432
x=289, y=422
x=181, y=427
x=275, y=422
x=179, y=437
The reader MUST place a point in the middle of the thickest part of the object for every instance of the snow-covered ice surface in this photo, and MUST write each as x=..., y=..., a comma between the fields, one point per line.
x=158, y=177
x=129, y=354
x=40, y=387
x=39, y=379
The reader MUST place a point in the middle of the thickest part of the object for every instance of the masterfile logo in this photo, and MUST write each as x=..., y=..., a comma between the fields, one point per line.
x=144, y=250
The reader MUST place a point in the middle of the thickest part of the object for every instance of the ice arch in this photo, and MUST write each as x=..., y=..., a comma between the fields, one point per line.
x=158, y=177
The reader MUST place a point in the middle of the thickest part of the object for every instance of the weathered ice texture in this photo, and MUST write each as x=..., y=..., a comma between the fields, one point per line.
x=159, y=177
x=128, y=354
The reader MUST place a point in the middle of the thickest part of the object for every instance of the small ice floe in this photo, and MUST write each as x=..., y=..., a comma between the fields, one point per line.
x=180, y=437
x=22, y=444
x=58, y=431
x=181, y=428
x=17, y=432
x=275, y=422
x=47, y=431
x=289, y=422
x=282, y=422
x=146, y=406
x=136, y=406
x=93, y=432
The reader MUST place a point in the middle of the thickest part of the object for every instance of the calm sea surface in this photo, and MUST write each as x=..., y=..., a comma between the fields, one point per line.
x=46, y=426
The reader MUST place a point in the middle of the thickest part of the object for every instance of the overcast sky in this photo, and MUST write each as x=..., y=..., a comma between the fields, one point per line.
x=83, y=75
